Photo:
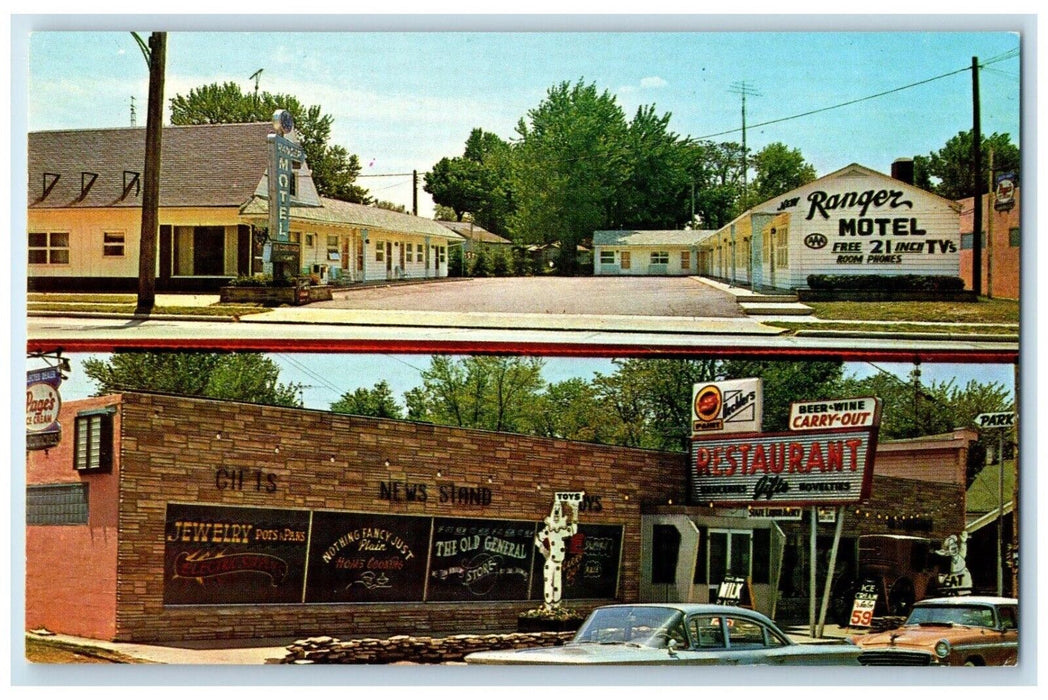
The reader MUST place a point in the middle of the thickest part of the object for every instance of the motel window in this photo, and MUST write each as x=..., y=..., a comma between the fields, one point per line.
x=360, y=254
x=443, y=254
x=420, y=253
x=332, y=245
x=113, y=244
x=607, y=257
x=1013, y=237
x=49, y=248
x=93, y=441
x=782, y=248
x=685, y=260
x=409, y=251
x=294, y=236
x=309, y=240
x=660, y=257
x=380, y=251
x=56, y=504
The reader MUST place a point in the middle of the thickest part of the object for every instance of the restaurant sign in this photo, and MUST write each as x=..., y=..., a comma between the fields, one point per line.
x=826, y=468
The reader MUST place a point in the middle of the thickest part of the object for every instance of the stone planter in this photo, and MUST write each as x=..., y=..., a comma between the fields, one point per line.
x=275, y=296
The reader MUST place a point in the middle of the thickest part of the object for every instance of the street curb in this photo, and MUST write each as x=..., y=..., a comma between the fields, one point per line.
x=131, y=317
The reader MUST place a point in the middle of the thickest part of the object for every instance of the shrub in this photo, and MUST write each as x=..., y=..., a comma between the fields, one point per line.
x=887, y=283
x=262, y=281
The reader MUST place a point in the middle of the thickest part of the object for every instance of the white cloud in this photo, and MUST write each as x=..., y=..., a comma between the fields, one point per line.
x=653, y=82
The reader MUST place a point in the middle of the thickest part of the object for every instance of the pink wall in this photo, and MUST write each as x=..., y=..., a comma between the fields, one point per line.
x=71, y=569
x=1002, y=261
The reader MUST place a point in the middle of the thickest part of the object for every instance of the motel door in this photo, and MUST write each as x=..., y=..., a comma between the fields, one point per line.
x=389, y=259
x=624, y=260
x=729, y=552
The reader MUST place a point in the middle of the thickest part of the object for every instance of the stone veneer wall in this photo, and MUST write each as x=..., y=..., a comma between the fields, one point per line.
x=171, y=448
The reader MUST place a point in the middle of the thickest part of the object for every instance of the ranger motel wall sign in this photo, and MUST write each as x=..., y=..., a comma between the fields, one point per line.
x=826, y=468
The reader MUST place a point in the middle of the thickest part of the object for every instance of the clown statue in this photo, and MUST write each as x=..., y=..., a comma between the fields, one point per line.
x=959, y=580
x=552, y=541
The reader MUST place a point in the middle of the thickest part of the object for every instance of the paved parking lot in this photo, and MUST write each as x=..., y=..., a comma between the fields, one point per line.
x=631, y=296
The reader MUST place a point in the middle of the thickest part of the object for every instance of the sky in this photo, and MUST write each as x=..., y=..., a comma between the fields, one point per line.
x=402, y=100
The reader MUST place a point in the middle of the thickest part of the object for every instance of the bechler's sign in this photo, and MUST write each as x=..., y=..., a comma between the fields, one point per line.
x=839, y=413
x=830, y=467
x=731, y=406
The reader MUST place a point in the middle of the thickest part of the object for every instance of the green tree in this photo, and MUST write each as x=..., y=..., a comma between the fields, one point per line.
x=913, y=408
x=948, y=171
x=656, y=191
x=715, y=171
x=777, y=169
x=249, y=377
x=477, y=183
x=570, y=410
x=377, y=402
x=390, y=206
x=334, y=168
x=570, y=162
x=650, y=400
x=487, y=392
x=784, y=382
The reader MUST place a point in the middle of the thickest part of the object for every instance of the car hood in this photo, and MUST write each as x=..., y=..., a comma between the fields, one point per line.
x=921, y=637
x=575, y=654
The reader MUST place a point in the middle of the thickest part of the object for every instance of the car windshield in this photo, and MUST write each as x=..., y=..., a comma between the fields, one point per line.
x=969, y=615
x=643, y=626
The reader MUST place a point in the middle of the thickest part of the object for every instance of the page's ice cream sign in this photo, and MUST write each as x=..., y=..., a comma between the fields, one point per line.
x=828, y=468
x=42, y=404
x=730, y=406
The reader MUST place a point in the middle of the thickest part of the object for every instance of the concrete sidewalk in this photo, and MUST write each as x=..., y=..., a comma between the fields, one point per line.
x=271, y=651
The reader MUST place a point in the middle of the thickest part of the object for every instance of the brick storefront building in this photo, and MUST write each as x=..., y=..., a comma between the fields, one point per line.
x=1001, y=246
x=162, y=518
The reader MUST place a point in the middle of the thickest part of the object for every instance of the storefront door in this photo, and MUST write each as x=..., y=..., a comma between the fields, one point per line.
x=729, y=552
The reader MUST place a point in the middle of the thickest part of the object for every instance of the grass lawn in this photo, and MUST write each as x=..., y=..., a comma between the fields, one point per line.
x=953, y=329
x=43, y=650
x=127, y=306
x=981, y=311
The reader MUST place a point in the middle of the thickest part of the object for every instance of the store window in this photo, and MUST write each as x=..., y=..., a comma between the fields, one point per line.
x=93, y=441
x=967, y=240
x=113, y=244
x=49, y=248
x=56, y=504
x=1013, y=237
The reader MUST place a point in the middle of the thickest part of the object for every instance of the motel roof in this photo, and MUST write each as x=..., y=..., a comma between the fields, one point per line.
x=649, y=238
x=210, y=165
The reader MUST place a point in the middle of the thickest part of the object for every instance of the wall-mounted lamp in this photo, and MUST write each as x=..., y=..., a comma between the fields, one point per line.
x=439, y=474
x=276, y=450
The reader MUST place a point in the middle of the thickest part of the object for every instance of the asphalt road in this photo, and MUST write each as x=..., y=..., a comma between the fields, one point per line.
x=626, y=296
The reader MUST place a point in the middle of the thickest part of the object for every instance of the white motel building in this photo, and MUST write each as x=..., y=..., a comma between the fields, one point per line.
x=855, y=221
x=85, y=212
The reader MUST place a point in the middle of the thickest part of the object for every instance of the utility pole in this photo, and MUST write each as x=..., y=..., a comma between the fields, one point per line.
x=741, y=88
x=133, y=119
x=156, y=55
x=977, y=182
x=414, y=192
x=989, y=228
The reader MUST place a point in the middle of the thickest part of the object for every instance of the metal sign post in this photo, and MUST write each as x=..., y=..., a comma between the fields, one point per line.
x=1000, y=421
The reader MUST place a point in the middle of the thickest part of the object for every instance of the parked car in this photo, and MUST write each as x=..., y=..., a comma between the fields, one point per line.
x=668, y=633
x=957, y=631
